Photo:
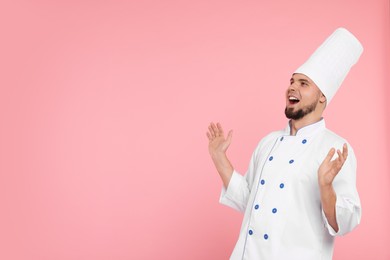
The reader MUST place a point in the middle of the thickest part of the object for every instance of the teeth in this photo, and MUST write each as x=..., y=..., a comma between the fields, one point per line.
x=293, y=98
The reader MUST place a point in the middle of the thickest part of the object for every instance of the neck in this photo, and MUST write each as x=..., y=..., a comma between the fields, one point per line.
x=295, y=125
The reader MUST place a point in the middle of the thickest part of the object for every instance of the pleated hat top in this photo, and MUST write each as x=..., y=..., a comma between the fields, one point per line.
x=328, y=66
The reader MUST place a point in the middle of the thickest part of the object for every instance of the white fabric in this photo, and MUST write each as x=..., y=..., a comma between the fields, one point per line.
x=298, y=230
x=330, y=63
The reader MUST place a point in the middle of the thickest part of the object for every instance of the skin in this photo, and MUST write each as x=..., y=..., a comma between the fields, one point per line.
x=308, y=93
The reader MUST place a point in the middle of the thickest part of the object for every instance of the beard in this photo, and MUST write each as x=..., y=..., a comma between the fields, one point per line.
x=300, y=113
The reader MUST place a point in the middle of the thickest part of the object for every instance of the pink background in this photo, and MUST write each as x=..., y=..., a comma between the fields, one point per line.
x=104, y=107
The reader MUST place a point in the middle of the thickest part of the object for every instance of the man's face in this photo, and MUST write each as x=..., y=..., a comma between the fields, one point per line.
x=302, y=97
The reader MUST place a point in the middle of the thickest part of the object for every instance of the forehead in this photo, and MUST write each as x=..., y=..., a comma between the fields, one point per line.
x=302, y=77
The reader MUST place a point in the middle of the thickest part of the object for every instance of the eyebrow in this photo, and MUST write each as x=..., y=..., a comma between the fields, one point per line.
x=300, y=80
x=303, y=80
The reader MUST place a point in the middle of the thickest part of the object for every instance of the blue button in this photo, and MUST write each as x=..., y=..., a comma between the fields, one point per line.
x=304, y=141
x=271, y=158
x=257, y=206
x=274, y=210
x=281, y=139
x=265, y=236
x=281, y=185
x=291, y=161
x=262, y=182
x=250, y=232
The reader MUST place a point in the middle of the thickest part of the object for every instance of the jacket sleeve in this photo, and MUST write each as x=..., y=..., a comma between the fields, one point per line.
x=237, y=194
x=348, y=208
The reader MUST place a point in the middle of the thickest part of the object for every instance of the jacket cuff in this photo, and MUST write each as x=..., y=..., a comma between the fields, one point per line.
x=347, y=217
x=230, y=194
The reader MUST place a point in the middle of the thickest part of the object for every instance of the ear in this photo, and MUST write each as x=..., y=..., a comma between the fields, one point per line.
x=322, y=98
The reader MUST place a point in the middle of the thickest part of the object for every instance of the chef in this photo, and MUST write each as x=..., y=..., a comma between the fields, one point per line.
x=300, y=188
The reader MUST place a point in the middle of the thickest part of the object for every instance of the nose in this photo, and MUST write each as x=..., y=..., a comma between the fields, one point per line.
x=292, y=87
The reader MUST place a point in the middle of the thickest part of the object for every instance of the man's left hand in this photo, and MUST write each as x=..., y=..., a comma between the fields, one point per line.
x=330, y=168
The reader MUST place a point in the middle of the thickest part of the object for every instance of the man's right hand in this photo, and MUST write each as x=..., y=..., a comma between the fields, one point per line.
x=218, y=146
x=217, y=142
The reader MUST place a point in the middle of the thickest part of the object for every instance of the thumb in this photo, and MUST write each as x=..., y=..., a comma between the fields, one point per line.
x=229, y=137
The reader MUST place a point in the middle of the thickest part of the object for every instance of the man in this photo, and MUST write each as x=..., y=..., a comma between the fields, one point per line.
x=300, y=188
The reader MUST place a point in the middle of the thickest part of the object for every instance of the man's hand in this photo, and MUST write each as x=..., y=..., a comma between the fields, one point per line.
x=217, y=143
x=327, y=171
x=330, y=168
x=218, y=146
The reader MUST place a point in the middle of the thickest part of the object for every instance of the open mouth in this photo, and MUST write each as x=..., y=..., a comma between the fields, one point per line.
x=293, y=100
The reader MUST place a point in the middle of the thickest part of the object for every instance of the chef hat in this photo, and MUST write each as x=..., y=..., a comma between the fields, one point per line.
x=328, y=66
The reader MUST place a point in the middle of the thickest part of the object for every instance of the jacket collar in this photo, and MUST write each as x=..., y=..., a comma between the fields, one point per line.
x=307, y=130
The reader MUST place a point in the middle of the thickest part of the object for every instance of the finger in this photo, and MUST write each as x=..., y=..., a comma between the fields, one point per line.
x=220, y=129
x=340, y=159
x=338, y=162
x=215, y=129
x=211, y=129
x=209, y=136
x=229, y=137
x=345, y=151
x=330, y=155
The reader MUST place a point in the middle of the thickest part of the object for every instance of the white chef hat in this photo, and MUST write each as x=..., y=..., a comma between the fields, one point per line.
x=328, y=66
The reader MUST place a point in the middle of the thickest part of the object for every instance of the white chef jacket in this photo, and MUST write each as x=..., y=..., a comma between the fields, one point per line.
x=280, y=196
